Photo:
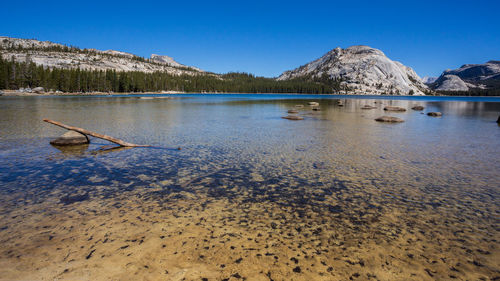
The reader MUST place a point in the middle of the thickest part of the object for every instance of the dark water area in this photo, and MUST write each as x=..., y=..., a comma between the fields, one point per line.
x=331, y=197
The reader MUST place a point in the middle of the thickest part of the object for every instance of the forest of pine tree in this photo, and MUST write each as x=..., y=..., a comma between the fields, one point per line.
x=15, y=75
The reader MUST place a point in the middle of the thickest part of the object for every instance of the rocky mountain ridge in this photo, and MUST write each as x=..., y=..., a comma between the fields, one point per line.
x=54, y=55
x=362, y=70
x=469, y=77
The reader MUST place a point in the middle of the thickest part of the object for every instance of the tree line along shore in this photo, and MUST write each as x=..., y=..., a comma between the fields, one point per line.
x=17, y=75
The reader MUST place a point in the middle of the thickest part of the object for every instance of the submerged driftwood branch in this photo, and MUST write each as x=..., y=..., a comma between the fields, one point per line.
x=90, y=133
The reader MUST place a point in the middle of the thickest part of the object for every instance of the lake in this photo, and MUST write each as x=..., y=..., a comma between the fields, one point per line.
x=230, y=190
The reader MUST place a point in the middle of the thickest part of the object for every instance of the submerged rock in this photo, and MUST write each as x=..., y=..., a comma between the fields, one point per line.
x=70, y=199
x=389, y=119
x=435, y=114
x=71, y=138
x=293, y=111
x=394, y=108
x=366, y=106
x=293, y=117
x=73, y=150
x=418, y=107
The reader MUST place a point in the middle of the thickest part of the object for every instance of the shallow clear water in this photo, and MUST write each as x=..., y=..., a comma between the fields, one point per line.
x=336, y=195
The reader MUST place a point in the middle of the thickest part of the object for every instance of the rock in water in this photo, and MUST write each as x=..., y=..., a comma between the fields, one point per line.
x=394, y=108
x=316, y=109
x=70, y=199
x=71, y=138
x=293, y=111
x=498, y=120
x=366, y=106
x=293, y=117
x=418, y=107
x=435, y=114
x=313, y=103
x=389, y=119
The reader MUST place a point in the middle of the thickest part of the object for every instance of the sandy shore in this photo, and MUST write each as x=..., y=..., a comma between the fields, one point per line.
x=22, y=94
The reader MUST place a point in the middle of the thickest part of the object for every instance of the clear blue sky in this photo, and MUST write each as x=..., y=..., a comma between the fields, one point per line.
x=267, y=38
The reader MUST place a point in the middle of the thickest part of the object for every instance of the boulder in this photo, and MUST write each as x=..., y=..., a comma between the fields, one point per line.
x=394, y=108
x=71, y=138
x=293, y=117
x=293, y=111
x=435, y=114
x=316, y=109
x=498, y=120
x=389, y=119
x=418, y=107
x=313, y=103
x=366, y=106
x=38, y=90
x=1, y=93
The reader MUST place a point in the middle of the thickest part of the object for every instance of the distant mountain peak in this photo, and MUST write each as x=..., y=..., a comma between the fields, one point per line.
x=469, y=76
x=363, y=70
x=429, y=80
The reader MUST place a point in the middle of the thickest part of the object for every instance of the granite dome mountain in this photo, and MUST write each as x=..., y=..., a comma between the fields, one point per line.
x=362, y=70
x=469, y=77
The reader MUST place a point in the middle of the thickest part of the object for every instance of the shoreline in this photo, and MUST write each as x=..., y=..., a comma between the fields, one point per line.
x=15, y=93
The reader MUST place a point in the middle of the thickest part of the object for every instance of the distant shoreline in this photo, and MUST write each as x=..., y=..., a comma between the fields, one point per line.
x=15, y=93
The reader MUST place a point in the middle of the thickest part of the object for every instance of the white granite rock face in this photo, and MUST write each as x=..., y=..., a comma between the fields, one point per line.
x=469, y=76
x=429, y=80
x=477, y=71
x=165, y=60
x=93, y=59
x=451, y=83
x=364, y=70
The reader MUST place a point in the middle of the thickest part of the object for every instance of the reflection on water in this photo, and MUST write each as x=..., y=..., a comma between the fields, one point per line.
x=250, y=195
x=72, y=150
